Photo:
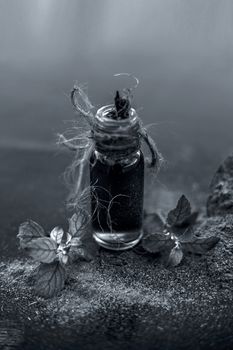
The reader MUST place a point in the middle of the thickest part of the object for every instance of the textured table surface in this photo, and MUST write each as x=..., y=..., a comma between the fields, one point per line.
x=118, y=300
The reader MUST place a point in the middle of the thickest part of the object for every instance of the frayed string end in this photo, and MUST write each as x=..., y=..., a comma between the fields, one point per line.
x=156, y=157
x=82, y=143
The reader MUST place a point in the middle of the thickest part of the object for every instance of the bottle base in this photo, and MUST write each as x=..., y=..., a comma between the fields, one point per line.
x=117, y=241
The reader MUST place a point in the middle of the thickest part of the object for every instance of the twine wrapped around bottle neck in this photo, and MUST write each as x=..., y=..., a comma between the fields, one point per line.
x=115, y=138
x=109, y=135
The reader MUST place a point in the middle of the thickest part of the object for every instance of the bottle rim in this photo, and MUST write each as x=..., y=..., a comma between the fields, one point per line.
x=111, y=135
x=103, y=121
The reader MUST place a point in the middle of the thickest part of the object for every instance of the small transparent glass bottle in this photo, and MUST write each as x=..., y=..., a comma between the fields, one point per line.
x=117, y=179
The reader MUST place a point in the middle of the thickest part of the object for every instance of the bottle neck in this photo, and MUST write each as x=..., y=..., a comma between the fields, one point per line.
x=114, y=138
x=125, y=161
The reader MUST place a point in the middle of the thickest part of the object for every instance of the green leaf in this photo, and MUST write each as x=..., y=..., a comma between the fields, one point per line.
x=80, y=253
x=57, y=234
x=78, y=222
x=200, y=245
x=176, y=256
x=190, y=220
x=28, y=231
x=82, y=244
x=187, y=236
x=156, y=242
x=42, y=249
x=152, y=223
x=66, y=237
x=84, y=247
x=50, y=279
x=181, y=212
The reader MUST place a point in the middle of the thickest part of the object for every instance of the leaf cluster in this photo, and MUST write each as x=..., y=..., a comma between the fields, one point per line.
x=173, y=236
x=56, y=251
x=169, y=235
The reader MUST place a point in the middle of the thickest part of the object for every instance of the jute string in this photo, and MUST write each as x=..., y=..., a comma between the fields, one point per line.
x=83, y=144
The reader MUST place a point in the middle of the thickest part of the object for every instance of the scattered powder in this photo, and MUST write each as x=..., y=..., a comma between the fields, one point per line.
x=132, y=291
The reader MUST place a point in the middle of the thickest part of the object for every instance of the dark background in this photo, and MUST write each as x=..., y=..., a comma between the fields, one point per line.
x=180, y=50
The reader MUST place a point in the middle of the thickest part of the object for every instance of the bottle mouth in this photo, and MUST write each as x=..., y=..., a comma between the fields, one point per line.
x=104, y=119
x=112, y=134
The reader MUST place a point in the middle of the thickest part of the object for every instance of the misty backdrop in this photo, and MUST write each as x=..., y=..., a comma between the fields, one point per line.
x=181, y=51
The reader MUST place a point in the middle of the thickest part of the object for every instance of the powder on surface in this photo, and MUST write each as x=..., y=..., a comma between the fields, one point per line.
x=134, y=294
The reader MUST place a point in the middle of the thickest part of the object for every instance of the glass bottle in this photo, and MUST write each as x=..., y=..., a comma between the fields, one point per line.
x=117, y=179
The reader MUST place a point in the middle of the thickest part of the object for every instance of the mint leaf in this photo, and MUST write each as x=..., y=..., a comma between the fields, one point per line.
x=82, y=244
x=187, y=236
x=176, y=256
x=78, y=222
x=156, y=242
x=181, y=212
x=42, y=249
x=57, y=234
x=200, y=245
x=190, y=220
x=66, y=237
x=28, y=231
x=152, y=223
x=50, y=279
x=83, y=247
x=80, y=253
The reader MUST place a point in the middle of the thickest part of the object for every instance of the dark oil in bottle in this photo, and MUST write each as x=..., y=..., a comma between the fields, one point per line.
x=117, y=201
